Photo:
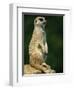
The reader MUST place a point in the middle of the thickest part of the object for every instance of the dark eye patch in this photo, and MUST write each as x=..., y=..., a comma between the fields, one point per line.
x=40, y=19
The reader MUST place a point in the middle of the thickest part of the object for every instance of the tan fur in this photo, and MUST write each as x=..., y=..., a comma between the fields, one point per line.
x=38, y=46
x=28, y=69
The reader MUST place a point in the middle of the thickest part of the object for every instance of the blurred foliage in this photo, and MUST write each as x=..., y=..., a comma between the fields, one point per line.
x=54, y=32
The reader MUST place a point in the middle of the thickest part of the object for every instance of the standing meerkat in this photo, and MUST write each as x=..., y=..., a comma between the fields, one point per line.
x=38, y=48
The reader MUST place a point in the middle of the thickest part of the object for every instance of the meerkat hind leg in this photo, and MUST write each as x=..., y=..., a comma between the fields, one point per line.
x=39, y=67
x=45, y=65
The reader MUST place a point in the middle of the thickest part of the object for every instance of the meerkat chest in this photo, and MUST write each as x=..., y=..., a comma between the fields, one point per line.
x=40, y=33
x=39, y=36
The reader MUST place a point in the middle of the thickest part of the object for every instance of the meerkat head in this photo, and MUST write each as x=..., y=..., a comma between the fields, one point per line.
x=40, y=21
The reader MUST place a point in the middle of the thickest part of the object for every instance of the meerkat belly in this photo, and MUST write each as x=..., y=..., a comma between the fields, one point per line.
x=35, y=53
x=36, y=47
x=33, y=49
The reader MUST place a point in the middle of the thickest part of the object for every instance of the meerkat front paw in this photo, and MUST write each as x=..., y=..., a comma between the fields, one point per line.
x=47, y=71
x=53, y=71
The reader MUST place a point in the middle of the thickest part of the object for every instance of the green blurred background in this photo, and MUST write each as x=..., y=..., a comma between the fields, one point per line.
x=54, y=32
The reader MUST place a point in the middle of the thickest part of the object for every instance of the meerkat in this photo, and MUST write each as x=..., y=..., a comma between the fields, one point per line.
x=38, y=48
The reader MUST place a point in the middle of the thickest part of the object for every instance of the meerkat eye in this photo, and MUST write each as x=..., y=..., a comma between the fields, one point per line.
x=35, y=21
x=41, y=19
